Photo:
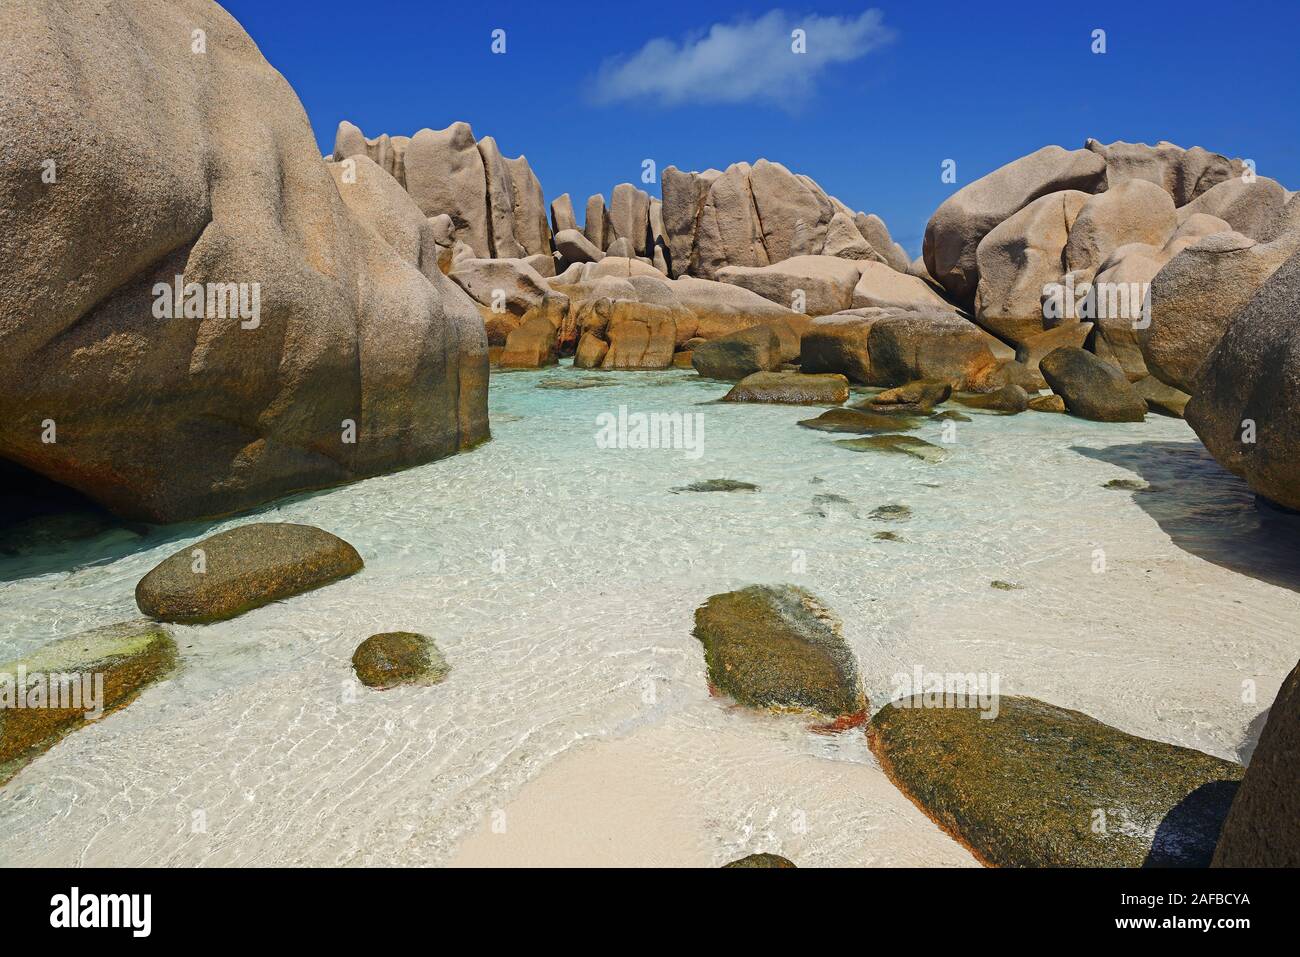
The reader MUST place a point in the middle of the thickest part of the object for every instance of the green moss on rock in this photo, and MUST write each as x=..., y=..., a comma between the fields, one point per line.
x=761, y=860
x=898, y=444
x=399, y=658
x=790, y=388
x=125, y=657
x=858, y=422
x=242, y=569
x=1043, y=786
x=779, y=647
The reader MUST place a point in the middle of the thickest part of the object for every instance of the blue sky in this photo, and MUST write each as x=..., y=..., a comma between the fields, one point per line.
x=871, y=111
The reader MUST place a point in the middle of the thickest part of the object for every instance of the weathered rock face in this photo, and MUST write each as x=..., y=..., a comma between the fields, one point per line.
x=912, y=398
x=822, y=285
x=1091, y=387
x=1134, y=211
x=336, y=325
x=241, y=569
x=1263, y=825
x=641, y=336
x=778, y=647
x=1249, y=207
x=122, y=659
x=1197, y=293
x=495, y=202
x=398, y=658
x=1246, y=407
x=905, y=346
x=790, y=388
x=1022, y=789
x=531, y=345
x=954, y=232
x=1182, y=173
x=762, y=215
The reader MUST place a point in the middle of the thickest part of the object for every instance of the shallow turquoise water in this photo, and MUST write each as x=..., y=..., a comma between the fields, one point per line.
x=560, y=580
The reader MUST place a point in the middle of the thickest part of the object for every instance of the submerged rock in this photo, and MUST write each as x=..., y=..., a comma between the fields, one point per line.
x=576, y=382
x=102, y=668
x=859, y=422
x=902, y=444
x=1000, y=585
x=1042, y=786
x=1092, y=388
x=951, y=415
x=398, y=658
x=1263, y=826
x=761, y=860
x=1127, y=485
x=717, y=485
x=887, y=537
x=790, y=388
x=244, y=568
x=891, y=513
x=778, y=647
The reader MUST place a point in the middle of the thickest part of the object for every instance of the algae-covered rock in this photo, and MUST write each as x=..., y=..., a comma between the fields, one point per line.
x=790, y=388
x=900, y=444
x=69, y=682
x=399, y=658
x=859, y=422
x=761, y=860
x=243, y=568
x=778, y=647
x=1043, y=786
x=717, y=485
x=891, y=513
x=1091, y=387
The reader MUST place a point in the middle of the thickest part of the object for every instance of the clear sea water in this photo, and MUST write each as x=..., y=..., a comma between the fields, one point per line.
x=560, y=581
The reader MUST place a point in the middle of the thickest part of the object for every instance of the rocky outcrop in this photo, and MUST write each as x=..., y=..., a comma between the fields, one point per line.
x=298, y=326
x=241, y=569
x=1182, y=173
x=1246, y=407
x=67, y=683
x=1023, y=783
x=395, y=658
x=739, y=354
x=1263, y=826
x=495, y=202
x=760, y=215
x=778, y=647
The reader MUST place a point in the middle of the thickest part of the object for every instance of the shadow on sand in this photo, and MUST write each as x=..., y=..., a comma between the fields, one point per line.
x=1208, y=511
x=1189, y=832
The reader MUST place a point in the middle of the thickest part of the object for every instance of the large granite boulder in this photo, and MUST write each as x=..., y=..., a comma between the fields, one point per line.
x=906, y=345
x=882, y=286
x=531, y=345
x=954, y=232
x=1263, y=825
x=640, y=336
x=1133, y=211
x=790, y=388
x=1246, y=406
x=98, y=671
x=739, y=354
x=1091, y=387
x=822, y=285
x=1248, y=206
x=1023, y=783
x=778, y=647
x=243, y=568
x=297, y=322
x=1198, y=292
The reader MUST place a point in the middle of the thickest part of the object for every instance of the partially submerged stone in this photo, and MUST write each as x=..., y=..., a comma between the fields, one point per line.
x=914, y=398
x=891, y=513
x=790, y=388
x=761, y=860
x=901, y=444
x=1162, y=399
x=1042, y=786
x=243, y=568
x=778, y=647
x=1127, y=485
x=1001, y=585
x=717, y=485
x=399, y=658
x=1047, y=403
x=859, y=422
x=1008, y=400
x=95, y=672
x=1092, y=388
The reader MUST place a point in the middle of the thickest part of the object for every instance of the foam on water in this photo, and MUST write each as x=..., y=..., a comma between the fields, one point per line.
x=560, y=580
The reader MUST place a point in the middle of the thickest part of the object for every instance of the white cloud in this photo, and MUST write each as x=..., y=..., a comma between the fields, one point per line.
x=743, y=61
